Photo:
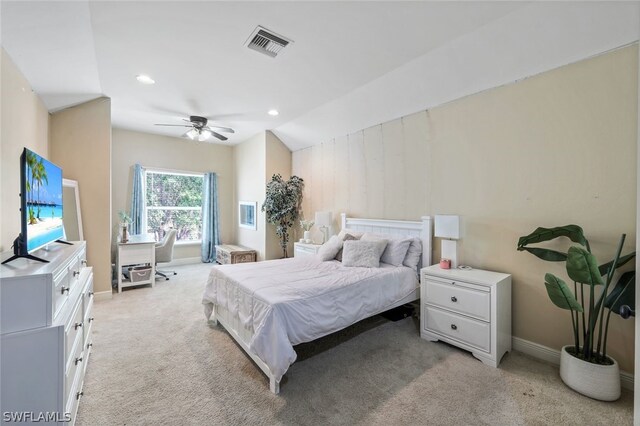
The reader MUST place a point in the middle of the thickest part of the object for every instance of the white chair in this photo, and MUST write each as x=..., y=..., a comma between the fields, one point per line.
x=164, y=252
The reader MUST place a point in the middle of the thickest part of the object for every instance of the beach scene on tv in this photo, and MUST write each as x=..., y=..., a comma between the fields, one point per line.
x=44, y=201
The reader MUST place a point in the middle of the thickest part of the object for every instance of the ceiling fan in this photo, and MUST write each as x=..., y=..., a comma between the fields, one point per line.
x=199, y=129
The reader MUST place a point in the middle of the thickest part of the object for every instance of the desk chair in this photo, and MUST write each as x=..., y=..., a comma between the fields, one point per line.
x=164, y=252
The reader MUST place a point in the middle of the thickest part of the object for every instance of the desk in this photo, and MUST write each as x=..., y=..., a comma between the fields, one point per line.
x=138, y=249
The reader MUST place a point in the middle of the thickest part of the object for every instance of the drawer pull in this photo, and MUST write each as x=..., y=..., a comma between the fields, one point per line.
x=63, y=289
x=83, y=261
x=90, y=293
x=78, y=324
x=89, y=345
x=76, y=273
x=91, y=319
x=78, y=360
x=454, y=299
x=79, y=394
x=454, y=327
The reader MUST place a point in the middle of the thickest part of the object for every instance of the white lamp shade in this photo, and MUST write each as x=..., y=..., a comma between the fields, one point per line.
x=447, y=226
x=323, y=218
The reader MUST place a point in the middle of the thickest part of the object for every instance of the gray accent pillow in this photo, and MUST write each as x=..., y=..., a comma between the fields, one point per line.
x=329, y=249
x=363, y=253
x=396, y=250
x=347, y=237
x=414, y=254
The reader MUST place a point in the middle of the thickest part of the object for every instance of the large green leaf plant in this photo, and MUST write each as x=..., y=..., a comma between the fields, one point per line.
x=282, y=205
x=583, y=269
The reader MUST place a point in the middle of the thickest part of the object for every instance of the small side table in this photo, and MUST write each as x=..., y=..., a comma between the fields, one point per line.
x=229, y=253
x=304, y=249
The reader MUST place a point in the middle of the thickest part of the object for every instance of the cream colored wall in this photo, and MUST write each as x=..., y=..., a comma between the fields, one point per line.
x=165, y=152
x=278, y=160
x=81, y=144
x=250, y=168
x=550, y=150
x=24, y=122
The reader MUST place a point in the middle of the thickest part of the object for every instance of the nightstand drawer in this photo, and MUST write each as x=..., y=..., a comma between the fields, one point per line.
x=465, y=330
x=459, y=298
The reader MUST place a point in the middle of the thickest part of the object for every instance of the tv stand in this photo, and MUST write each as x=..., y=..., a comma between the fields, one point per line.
x=19, y=250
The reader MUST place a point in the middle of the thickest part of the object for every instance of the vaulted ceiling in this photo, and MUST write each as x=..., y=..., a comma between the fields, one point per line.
x=351, y=64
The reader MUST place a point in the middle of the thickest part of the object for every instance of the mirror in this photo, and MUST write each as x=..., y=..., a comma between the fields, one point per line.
x=71, y=217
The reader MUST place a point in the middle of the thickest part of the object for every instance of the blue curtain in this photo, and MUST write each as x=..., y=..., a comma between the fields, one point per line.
x=137, y=200
x=210, y=227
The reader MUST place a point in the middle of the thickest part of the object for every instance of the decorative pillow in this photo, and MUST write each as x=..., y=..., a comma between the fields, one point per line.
x=329, y=249
x=395, y=251
x=356, y=234
x=363, y=253
x=347, y=237
x=413, y=254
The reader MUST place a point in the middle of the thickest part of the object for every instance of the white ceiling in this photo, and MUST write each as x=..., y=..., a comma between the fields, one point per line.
x=333, y=79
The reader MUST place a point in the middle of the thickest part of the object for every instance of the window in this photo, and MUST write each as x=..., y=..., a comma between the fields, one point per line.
x=174, y=200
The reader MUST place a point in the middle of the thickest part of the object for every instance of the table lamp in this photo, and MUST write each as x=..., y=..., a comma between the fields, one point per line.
x=323, y=220
x=448, y=228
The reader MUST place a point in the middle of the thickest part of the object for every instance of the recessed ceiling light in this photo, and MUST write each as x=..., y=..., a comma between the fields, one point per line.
x=273, y=112
x=145, y=79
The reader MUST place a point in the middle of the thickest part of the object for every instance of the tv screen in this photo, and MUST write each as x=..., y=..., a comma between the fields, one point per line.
x=41, y=183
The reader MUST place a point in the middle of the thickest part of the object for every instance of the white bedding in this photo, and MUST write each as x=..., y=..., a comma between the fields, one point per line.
x=290, y=301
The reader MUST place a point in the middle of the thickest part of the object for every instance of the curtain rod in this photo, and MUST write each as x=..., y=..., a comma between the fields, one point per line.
x=162, y=169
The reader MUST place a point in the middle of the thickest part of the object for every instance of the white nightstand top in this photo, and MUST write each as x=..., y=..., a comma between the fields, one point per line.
x=476, y=276
x=310, y=245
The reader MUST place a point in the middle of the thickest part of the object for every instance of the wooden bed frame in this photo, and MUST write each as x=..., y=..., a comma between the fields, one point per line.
x=422, y=229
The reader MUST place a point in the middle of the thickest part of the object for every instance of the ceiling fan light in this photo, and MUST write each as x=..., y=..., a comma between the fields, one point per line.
x=192, y=134
x=204, y=135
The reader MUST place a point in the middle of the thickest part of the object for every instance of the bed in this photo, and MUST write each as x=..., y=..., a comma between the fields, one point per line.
x=268, y=307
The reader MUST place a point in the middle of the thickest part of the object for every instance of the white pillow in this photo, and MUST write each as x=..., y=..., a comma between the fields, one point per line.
x=356, y=234
x=362, y=253
x=396, y=249
x=329, y=249
x=414, y=253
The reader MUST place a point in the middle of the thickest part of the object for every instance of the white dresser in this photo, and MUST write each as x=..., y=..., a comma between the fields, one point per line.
x=304, y=249
x=470, y=309
x=45, y=331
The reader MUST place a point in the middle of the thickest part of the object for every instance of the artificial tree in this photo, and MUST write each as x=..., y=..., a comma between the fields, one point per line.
x=282, y=206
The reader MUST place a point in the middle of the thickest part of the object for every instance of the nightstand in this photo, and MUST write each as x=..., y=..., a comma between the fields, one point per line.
x=304, y=249
x=470, y=309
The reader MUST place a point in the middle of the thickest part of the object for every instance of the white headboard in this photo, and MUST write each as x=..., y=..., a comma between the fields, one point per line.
x=422, y=229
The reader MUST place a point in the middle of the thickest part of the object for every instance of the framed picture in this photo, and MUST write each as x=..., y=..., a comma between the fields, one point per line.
x=247, y=211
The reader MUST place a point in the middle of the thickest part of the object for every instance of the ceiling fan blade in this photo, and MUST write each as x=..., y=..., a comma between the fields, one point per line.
x=218, y=135
x=173, y=125
x=222, y=129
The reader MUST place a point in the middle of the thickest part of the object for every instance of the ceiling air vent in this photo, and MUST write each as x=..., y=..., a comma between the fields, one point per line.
x=264, y=41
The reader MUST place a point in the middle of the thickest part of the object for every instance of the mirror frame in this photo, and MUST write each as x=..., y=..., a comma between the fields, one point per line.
x=74, y=184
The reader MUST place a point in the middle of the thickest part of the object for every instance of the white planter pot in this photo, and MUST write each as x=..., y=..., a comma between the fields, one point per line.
x=593, y=380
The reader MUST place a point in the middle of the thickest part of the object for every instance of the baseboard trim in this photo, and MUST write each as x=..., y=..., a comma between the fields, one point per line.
x=103, y=295
x=181, y=261
x=553, y=356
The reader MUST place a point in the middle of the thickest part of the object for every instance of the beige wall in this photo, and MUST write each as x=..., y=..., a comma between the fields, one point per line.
x=278, y=160
x=256, y=160
x=165, y=152
x=24, y=122
x=81, y=144
x=250, y=169
x=553, y=149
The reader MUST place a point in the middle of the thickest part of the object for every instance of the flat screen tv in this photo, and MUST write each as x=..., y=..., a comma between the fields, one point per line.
x=41, y=189
x=40, y=205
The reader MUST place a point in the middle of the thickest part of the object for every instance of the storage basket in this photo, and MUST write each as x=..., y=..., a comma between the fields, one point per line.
x=139, y=273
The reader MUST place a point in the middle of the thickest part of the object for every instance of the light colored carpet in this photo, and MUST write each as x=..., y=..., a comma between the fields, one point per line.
x=156, y=361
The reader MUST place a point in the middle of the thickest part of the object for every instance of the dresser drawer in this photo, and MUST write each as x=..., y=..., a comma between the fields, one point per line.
x=76, y=368
x=465, y=330
x=61, y=290
x=459, y=298
x=73, y=334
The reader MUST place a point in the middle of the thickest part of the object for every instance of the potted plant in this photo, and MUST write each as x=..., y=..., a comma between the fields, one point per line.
x=125, y=220
x=282, y=205
x=585, y=366
x=306, y=226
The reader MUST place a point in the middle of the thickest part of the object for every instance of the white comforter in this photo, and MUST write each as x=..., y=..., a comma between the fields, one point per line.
x=290, y=301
